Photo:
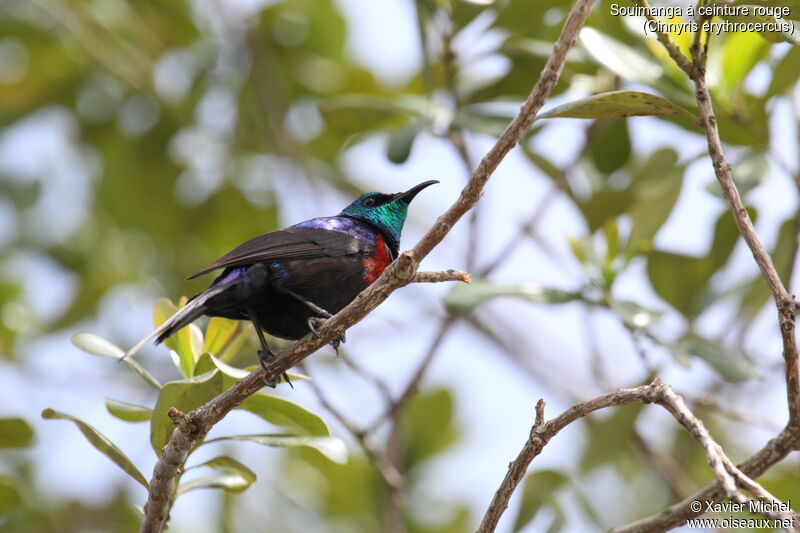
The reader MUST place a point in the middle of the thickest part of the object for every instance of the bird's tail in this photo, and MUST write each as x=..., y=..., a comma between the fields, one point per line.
x=190, y=312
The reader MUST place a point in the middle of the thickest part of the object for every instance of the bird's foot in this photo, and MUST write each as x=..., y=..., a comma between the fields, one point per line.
x=314, y=322
x=336, y=342
x=264, y=358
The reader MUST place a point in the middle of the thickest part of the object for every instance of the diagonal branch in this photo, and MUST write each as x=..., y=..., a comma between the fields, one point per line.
x=196, y=424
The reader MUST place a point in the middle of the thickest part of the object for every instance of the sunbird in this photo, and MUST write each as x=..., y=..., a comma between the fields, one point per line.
x=287, y=282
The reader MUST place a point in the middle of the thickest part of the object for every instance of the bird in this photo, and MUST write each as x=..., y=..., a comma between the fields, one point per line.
x=287, y=282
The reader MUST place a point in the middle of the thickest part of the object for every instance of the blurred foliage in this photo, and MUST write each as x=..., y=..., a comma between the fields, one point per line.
x=178, y=123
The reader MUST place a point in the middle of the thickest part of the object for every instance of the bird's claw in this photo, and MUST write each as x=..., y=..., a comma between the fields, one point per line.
x=336, y=342
x=264, y=358
x=314, y=322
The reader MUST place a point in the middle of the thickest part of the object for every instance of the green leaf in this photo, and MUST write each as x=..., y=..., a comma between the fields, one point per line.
x=401, y=141
x=130, y=412
x=331, y=447
x=726, y=234
x=93, y=344
x=101, y=443
x=10, y=494
x=235, y=477
x=618, y=104
x=611, y=233
x=15, y=433
x=184, y=395
x=380, y=107
x=463, y=298
x=479, y=119
x=228, y=481
x=227, y=463
x=218, y=333
x=207, y=362
x=731, y=363
x=605, y=205
x=609, y=144
x=432, y=429
x=233, y=347
x=784, y=75
x=583, y=250
x=745, y=123
x=286, y=414
x=658, y=183
x=545, y=165
x=740, y=53
x=538, y=490
x=681, y=280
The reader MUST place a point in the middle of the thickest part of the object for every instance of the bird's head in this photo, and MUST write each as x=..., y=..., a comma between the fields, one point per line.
x=387, y=212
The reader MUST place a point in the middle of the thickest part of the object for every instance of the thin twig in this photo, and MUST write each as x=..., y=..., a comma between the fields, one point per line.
x=438, y=277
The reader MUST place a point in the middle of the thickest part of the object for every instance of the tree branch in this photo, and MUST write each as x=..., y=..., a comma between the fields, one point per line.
x=401, y=272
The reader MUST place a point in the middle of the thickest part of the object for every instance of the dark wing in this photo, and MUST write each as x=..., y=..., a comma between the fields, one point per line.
x=288, y=245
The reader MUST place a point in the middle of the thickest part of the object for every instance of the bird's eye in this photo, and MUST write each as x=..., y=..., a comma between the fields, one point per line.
x=369, y=202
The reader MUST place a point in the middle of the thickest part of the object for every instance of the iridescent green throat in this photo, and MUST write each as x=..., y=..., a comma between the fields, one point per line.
x=387, y=218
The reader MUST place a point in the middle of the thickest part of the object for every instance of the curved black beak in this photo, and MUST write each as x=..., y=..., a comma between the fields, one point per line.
x=413, y=191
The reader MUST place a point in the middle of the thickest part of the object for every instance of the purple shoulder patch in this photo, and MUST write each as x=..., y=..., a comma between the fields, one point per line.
x=232, y=275
x=346, y=225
